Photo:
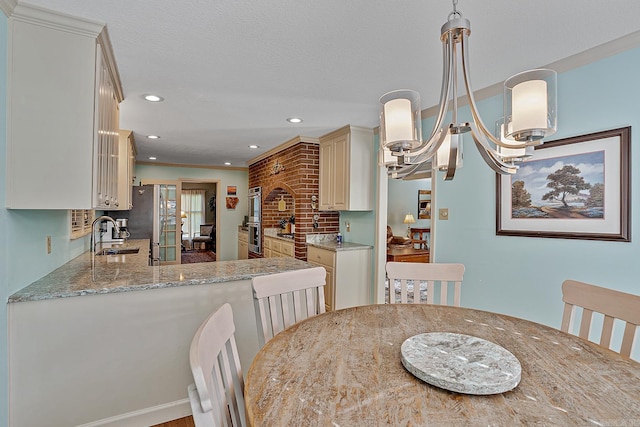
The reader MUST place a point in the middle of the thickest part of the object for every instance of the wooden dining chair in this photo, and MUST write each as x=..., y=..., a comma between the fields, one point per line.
x=282, y=299
x=217, y=395
x=608, y=302
x=438, y=276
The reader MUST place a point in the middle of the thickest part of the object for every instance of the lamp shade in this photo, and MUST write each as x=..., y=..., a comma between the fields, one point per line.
x=530, y=105
x=510, y=153
x=442, y=156
x=400, y=120
x=409, y=219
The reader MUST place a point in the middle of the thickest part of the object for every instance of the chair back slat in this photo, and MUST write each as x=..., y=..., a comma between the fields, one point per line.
x=217, y=395
x=293, y=296
x=437, y=276
x=612, y=304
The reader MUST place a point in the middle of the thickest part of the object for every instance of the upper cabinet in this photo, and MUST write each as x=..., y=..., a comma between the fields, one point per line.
x=63, y=141
x=346, y=170
x=126, y=166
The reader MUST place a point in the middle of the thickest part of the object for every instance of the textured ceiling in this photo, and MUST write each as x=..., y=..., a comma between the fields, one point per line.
x=231, y=72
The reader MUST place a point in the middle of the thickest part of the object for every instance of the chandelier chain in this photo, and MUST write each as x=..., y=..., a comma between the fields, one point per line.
x=455, y=13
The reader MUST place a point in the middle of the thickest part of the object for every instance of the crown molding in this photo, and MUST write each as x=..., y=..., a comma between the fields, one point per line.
x=107, y=52
x=180, y=165
x=283, y=146
x=7, y=6
x=56, y=20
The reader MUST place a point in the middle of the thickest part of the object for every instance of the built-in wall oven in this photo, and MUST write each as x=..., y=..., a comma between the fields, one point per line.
x=255, y=218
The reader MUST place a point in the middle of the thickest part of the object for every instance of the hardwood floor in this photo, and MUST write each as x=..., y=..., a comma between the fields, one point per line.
x=181, y=422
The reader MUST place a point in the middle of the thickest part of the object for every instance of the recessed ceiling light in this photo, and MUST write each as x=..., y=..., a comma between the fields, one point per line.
x=152, y=158
x=153, y=98
x=227, y=163
x=254, y=146
x=294, y=120
x=153, y=137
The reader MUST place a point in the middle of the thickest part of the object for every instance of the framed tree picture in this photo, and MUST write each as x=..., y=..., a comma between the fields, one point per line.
x=573, y=188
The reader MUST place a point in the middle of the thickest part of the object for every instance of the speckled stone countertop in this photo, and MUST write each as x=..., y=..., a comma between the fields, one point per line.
x=328, y=242
x=90, y=275
x=273, y=233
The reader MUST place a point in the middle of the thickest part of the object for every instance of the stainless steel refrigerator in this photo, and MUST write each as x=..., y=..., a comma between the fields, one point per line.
x=144, y=220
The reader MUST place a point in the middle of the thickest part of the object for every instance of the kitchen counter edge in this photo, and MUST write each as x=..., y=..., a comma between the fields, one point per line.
x=333, y=246
x=112, y=274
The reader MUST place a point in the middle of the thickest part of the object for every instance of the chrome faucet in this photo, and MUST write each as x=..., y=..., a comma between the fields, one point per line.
x=93, y=231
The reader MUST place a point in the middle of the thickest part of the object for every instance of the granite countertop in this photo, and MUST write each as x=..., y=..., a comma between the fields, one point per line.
x=283, y=238
x=332, y=245
x=101, y=274
x=275, y=233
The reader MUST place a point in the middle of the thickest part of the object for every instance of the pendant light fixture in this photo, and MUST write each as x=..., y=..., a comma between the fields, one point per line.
x=529, y=116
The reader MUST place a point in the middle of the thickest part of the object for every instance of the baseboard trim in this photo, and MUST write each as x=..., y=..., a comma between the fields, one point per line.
x=146, y=417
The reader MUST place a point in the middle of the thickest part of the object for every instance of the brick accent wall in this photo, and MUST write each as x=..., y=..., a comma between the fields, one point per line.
x=296, y=182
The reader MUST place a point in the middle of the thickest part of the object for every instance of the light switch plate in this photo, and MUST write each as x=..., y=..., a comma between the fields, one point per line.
x=443, y=214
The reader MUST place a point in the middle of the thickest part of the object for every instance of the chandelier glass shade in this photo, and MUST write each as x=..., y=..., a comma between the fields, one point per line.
x=530, y=111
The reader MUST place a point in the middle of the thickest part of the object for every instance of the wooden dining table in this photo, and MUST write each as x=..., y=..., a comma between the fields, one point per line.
x=343, y=368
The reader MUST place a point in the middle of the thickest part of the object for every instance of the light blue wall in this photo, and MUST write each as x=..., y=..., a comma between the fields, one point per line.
x=403, y=199
x=522, y=276
x=229, y=218
x=362, y=226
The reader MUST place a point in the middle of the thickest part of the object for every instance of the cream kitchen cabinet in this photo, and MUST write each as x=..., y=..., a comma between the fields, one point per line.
x=126, y=168
x=346, y=170
x=62, y=123
x=348, y=281
x=243, y=244
x=274, y=247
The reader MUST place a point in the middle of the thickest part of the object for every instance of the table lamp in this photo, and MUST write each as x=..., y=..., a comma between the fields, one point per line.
x=409, y=219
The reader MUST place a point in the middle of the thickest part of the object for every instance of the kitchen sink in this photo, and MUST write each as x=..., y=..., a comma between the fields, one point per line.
x=118, y=251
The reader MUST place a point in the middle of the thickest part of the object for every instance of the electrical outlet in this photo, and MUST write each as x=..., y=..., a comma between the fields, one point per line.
x=443, y=214
x=348, y=225
x=48, y=244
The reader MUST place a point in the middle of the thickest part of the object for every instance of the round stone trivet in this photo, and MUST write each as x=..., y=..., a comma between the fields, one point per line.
x=461, y=363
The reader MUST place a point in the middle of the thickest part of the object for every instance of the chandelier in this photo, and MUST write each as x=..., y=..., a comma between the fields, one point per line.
x=529, y=116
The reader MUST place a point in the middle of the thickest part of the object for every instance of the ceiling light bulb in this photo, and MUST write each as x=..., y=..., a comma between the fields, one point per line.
x=294, y=120
x=254, y=146
x=152, y=158
x=153, y=137
x=153, y=98
x=227, y=163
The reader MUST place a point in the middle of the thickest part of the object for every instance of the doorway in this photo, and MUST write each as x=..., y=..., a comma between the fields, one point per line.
x=199, y=220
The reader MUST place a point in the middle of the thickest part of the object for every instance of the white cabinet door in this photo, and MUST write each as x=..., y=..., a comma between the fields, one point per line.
x=243, y=245
x=126, y=168
x=327, y=178
x=51, y=88
x=348, y=280
x=346, y=170
x=106, y=141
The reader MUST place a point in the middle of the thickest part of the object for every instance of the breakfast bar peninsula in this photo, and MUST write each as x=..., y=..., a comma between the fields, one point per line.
x=104, y=339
